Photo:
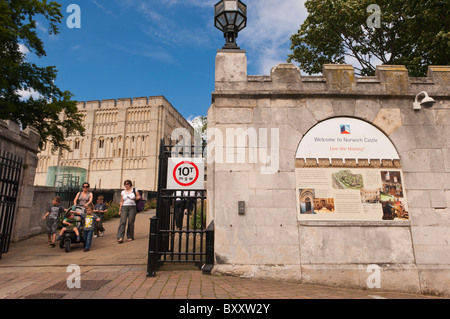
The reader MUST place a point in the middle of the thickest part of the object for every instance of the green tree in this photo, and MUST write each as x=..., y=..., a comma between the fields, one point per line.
x=414, y=33
x=53, y=114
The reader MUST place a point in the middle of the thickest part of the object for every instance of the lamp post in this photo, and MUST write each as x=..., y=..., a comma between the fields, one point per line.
x=230, y=17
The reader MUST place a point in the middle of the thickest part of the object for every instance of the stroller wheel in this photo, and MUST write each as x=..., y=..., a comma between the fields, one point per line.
x=67, y=245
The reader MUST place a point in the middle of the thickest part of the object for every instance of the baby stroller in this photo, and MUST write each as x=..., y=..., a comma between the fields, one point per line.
x=69, y=237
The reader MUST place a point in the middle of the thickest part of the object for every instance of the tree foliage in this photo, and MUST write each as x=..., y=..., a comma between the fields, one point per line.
x=414, y=33
x=53, y=114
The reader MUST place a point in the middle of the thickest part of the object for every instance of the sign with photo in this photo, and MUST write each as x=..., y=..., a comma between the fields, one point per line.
x=351, y=194
x=346, y=169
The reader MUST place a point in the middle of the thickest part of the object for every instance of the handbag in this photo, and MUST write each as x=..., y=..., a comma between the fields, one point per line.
x=140, y=204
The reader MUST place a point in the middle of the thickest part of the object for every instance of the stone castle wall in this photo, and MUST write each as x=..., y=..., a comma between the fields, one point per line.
x=121, y=142
x=268, y=241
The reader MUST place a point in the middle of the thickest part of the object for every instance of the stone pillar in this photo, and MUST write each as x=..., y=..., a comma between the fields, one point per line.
x=231, y=66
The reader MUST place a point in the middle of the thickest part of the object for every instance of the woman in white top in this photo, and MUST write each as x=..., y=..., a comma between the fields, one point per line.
x=127, y=211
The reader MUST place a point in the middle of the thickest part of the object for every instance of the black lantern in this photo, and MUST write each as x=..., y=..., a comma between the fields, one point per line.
x=230, y=17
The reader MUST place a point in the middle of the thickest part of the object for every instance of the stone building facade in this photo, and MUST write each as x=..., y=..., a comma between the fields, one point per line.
x=121, y=142
x=260, y=121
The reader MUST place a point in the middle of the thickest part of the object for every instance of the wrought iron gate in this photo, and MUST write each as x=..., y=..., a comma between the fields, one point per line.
x=10, y=169
x=178, y=232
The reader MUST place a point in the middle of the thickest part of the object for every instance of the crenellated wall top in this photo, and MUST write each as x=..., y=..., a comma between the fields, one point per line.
x=286, y=78
x=27, y=138
x=122, y=103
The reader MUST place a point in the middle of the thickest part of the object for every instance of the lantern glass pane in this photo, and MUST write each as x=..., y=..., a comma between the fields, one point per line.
x=242, y=26
x=218, y=8
x=243, y=8
x=231, y=5
x=239, y=20
x=218, y=25
x=222, y=20
x=231, y=17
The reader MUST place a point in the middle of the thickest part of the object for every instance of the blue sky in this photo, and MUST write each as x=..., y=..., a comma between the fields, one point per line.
x=134, y=48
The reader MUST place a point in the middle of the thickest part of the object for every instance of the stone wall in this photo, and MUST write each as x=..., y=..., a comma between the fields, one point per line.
x=268, y=240
x=23, y=143
x=41, y=202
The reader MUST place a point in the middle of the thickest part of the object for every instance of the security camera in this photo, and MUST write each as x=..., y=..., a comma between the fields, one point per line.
x=427, y=101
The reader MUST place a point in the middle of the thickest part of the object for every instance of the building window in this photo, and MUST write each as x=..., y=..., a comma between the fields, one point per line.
x=77, y=144
x=101, y=143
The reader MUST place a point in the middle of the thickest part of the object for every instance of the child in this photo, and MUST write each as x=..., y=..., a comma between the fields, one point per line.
x=53, y=214
x=88, y=225
x=100, y=210
x=68, y=224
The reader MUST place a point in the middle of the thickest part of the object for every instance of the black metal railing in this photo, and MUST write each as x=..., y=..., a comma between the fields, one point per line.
x=10, y=169
x=182, y=231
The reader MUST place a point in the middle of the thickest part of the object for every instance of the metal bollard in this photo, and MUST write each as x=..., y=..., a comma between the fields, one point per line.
x=209, y=262
x=152, y=247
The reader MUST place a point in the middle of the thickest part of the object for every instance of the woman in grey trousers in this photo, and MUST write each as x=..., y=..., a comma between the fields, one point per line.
x=127, y=211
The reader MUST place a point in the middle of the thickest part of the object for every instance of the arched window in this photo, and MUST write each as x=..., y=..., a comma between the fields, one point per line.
x=101, y=142
x=77, y=144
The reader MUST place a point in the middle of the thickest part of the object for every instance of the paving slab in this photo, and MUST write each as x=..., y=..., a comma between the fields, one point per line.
x=34, y=270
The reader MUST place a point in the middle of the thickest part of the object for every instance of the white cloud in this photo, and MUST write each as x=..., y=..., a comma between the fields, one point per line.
x=41, y=27
x=26, y=94
x=103, y=8
x=151, y=52
x=269, y=28
x=23, y=49
x=196, y=3
x=166, y=30
x=355, y=63
x=266, y=38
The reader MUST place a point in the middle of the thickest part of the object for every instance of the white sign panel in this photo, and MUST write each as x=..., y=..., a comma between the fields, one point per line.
x=185, y=173
x=349, y=191
x=346, y=137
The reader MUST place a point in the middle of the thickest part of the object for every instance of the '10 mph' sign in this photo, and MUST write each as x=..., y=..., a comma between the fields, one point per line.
x=185, y=173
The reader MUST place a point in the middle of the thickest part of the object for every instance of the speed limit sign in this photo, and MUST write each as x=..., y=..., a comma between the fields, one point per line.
x=185, y=173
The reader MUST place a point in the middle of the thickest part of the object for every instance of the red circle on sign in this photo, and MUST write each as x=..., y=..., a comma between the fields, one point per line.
x=185, y=184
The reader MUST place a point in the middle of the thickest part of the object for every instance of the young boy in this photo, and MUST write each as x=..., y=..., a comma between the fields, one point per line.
x=88, y=225
x=100, y=209
x=53, y=214
x=68, y=224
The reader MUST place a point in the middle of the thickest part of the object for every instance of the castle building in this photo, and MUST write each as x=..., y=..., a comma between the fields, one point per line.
x=121, y=141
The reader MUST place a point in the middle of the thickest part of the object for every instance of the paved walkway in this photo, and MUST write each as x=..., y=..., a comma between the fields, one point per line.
x=34, y=270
